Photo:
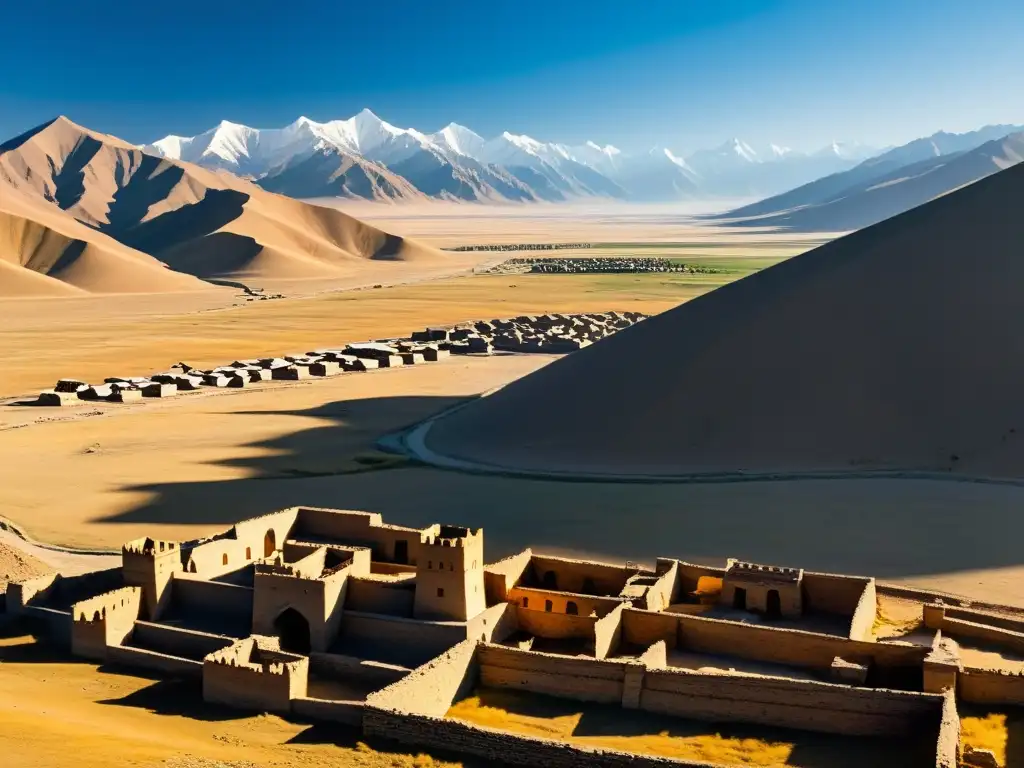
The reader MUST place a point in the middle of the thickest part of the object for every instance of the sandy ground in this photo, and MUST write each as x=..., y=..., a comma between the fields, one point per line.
x=55, y=712
x=194, y=465
x=614, y=728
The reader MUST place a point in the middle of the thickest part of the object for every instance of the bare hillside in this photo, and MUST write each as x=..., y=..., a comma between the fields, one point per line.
x=96, y=213
x=897, y=347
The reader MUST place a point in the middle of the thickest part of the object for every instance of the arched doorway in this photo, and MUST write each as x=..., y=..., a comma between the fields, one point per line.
x=293, y=630
x=739, y=599
x=773, y=605
x=269, y=543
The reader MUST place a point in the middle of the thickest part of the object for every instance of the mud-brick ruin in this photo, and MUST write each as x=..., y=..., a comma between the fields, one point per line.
x=339, y=616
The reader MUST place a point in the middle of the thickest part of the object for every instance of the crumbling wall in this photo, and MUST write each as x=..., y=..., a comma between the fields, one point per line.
x=788, y=646
x=781, y=702
x=991, y=686
x=863, y=621
x=501, y=576
x=536, y=599
x=577, y=575
x=493, y=625
x=432, y=688
x=947, y=751
x=690, y=574
x=153, y=661
x=568, y=677
x=345, y=712
x=24, y=593
x=103, y=621
x=337, y=666
x=833, y=593
x=501, y=747
x=663, y=592
x=1001, y=631
x=392, y=638
x=176, y=641
x=376, y=596
x=643, y=628
x=554, y=626
x=252, y=674
x=608, y=633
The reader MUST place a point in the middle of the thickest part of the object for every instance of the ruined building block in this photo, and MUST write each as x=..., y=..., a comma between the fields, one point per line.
x=255, y=674
x=325, y=368
x=450, y=574
x=103, y=621
x=848, y=672
x=768, y=589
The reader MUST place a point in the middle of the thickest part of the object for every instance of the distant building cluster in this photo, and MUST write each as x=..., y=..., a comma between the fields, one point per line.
x=599, y=265
x=553, y=334
x=522, y=247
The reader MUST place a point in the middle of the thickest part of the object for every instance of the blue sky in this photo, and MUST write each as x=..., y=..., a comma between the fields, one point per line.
x=634, y=73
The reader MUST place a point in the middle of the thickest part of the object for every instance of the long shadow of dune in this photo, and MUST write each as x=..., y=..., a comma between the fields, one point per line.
x=144, y=188
x=70, y=182
x=887, y=528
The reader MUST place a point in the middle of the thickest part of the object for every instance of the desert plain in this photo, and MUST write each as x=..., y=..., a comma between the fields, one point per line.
x=91, y=476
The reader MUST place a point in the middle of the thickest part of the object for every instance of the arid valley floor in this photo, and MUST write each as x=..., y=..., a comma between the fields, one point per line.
x=94, y=475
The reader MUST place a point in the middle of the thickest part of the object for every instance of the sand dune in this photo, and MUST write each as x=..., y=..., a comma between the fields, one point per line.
x=98, y=214
x=897, y=347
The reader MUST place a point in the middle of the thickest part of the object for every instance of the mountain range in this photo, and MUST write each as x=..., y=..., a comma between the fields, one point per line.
x=889, y=184
x=84, y=212
x=366, y=157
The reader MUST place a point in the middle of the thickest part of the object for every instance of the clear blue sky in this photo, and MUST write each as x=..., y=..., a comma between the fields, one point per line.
x=682, y=73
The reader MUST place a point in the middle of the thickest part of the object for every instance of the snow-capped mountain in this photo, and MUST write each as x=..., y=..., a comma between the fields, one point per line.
x=365, y=156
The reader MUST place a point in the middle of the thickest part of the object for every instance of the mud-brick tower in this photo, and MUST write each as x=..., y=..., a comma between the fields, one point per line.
x=450, y=574
x=151, y=564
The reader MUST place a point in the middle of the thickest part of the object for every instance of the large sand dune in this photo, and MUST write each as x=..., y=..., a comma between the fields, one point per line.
x=897, y=347
x=98, y=214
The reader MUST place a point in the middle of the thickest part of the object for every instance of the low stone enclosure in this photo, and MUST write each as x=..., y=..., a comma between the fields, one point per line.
x=338, y=616
x=553, y=334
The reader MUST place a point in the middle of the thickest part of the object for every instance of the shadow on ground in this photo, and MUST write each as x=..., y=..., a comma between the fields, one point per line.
x=885, y=527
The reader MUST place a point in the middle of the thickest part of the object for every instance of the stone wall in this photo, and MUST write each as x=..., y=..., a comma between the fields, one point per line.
x=409, y=641
x=103, y=621
x=211, y=597
x=663, y=592
x=153, y=661
x=536, y=599
x=568, y=677
x=501, y=747
x=366, y=529
x=493, y=625
x=689, y=574
x=788, y=646
x=572, y=575
x=252, y=674
x=780, y=702
x=863, y=621
x=1001, y=631
x=345, y=712
x=432, y=688
x=947, y=751
x=336, y=666
x=501, y=576
x=608, y=633
x=554, y=626
x=176, y=641
x=375, y=596
x=991, y=686
x=643, y=628
x=833, y=593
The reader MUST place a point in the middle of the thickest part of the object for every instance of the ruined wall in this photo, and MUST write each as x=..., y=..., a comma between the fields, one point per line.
x=568, y=677
x=103, y=621
x=536, y=599
x=780, y=702
x=176, y=641
x=833, y=593
x=689, y=574
x=345, y=712
x=212, y=597
x=1004, y=632
x=643, y=628
x=991, y=686
x=983, y=617
x=788, y=646
x=608, y=634
x=336, y=666
x=494, y=625
x=554, y=626
x=573, y=575
x=407, y=641
x=501, y=576
x=24, y=593
x=862, y=623
x=662, y=593
x=387, y=597
x=948, y=744
x=496, y=746
x=358, y=528
x=432, y=688
x=153, y=661
x=207, y=560
x=248, y=676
